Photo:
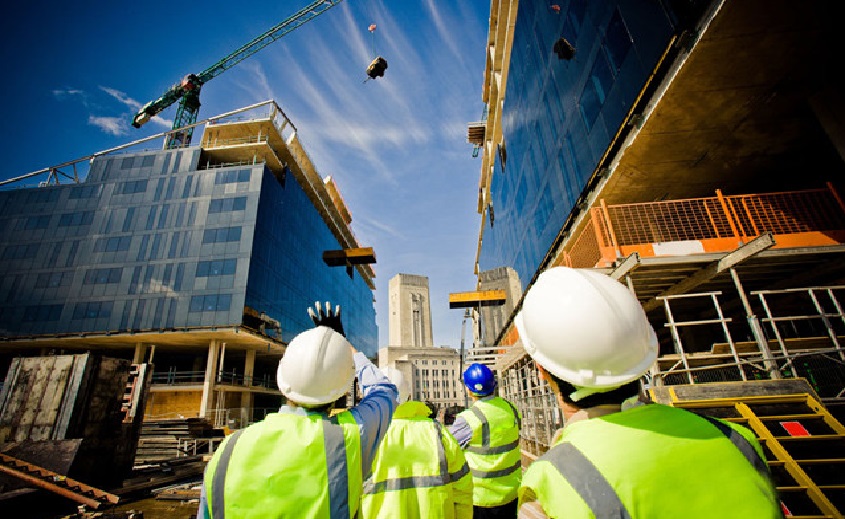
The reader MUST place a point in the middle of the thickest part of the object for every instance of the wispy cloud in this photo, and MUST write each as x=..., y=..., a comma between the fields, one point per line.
x=445, y=35
x=67, y=92
x=110, y=125
x=134, y=105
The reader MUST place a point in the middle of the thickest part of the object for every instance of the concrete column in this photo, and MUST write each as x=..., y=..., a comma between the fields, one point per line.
x=246, y=396
x=207, y=402
x=140, y=353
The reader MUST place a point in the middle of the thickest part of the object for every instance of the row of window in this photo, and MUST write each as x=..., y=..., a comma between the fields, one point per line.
x=424, y=362
x=232, y=176
x=121, y=243
x=103, y=309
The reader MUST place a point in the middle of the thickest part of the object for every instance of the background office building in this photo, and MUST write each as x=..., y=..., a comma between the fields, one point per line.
x=694, y=151
x=201, y=260
x=434, y=372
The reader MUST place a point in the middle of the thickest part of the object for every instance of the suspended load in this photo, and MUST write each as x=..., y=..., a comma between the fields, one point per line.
x=377, y=68
x=378, y=65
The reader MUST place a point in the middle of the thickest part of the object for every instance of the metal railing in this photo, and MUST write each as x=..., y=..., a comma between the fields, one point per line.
x=541, y=417
x=804, y=334
x=174, y=377
x=813, y=217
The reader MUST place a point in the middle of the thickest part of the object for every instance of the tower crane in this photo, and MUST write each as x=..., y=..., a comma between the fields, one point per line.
x=187, y=91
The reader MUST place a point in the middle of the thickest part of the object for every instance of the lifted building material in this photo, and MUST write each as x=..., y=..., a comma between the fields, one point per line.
x=352, y=256
x=476, y=299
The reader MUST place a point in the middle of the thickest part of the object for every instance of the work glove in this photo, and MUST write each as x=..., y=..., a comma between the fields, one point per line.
x=326, y=317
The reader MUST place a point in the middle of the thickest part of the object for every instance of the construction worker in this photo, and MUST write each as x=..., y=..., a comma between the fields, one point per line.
x=419, y=470
x=489, y=433
x=300, y=462
x=617, y=456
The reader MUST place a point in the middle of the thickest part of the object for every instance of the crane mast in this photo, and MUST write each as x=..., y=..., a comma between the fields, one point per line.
x=187, y=91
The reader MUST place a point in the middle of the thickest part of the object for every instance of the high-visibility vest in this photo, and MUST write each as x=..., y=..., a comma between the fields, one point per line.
x=417, y=470
x=288, y=465
x=652, y=461
x=493, y=452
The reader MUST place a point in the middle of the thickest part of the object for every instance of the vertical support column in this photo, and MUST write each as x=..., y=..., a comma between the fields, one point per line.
x=207, y=402
x=140, y=353
x=246, y=396
x=756, y=329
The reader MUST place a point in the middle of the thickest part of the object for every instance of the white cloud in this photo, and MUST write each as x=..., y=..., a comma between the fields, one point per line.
x=134, y=106
x=67, y=92
x=110, y=125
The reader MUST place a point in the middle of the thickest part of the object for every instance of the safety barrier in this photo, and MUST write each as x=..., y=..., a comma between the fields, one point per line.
x=803, y=334
x=807, y=218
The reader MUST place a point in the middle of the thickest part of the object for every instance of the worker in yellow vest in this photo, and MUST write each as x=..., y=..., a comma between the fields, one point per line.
x=301, y=462
x=419, y=471
x=489, y=433
x=616, y=455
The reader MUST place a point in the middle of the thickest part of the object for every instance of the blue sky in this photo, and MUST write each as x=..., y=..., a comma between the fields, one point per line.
x=76, y=72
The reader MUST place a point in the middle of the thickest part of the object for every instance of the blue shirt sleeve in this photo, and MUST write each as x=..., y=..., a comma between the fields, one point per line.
x=374, y=412
x=462, y=432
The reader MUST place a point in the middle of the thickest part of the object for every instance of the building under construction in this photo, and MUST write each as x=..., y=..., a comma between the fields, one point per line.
x=694, y=151
x=199, y=260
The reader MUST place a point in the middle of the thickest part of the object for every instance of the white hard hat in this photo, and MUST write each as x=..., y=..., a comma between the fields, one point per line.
x=398, y=379
x=317, y=367
x=586, y=329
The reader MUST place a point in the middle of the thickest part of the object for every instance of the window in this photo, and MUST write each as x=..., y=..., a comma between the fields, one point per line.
x=226, y=234
x=216, y=268
x=84, y=192
x=127, y=162
x=103, y=276
x=92, y=310
x=148, y=161
x=113, y=244
x=76, y=219
x=231, y=177
x=21, y=251
x=135, y=186
x=42, y=313
x=617, y=42
x=224, y=205
x=211, y=303
x=35, y=222
x=52, y=279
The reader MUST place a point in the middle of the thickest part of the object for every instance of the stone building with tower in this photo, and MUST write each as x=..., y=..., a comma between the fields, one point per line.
x=434, y=372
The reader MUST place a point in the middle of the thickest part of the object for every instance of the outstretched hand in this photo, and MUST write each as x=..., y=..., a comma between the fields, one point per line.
x=326, y=317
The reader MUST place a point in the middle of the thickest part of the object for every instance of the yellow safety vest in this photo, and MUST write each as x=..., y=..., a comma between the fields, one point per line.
x=655, y=462
x=493, y=452
x=419, y=471
x=288, y=465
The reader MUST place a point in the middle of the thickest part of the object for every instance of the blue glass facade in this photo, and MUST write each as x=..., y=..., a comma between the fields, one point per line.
x=151, y=242
x=559, y=116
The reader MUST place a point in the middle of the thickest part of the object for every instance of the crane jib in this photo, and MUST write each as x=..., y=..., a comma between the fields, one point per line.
x=187, y=112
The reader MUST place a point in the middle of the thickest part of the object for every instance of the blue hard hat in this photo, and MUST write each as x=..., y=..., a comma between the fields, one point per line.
x=479, y=379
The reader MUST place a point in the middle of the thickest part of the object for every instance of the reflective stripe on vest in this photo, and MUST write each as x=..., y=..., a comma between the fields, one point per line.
x=742, y=444
x=587, y=481
x=485, y=447
x=336, y=461
x=336, y=464
x=220, y=476
x=439, y=480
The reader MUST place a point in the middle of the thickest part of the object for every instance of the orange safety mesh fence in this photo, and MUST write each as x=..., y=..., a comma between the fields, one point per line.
x=676, y=220
x=787, y=213
x=716, y=222
x=585, y=252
